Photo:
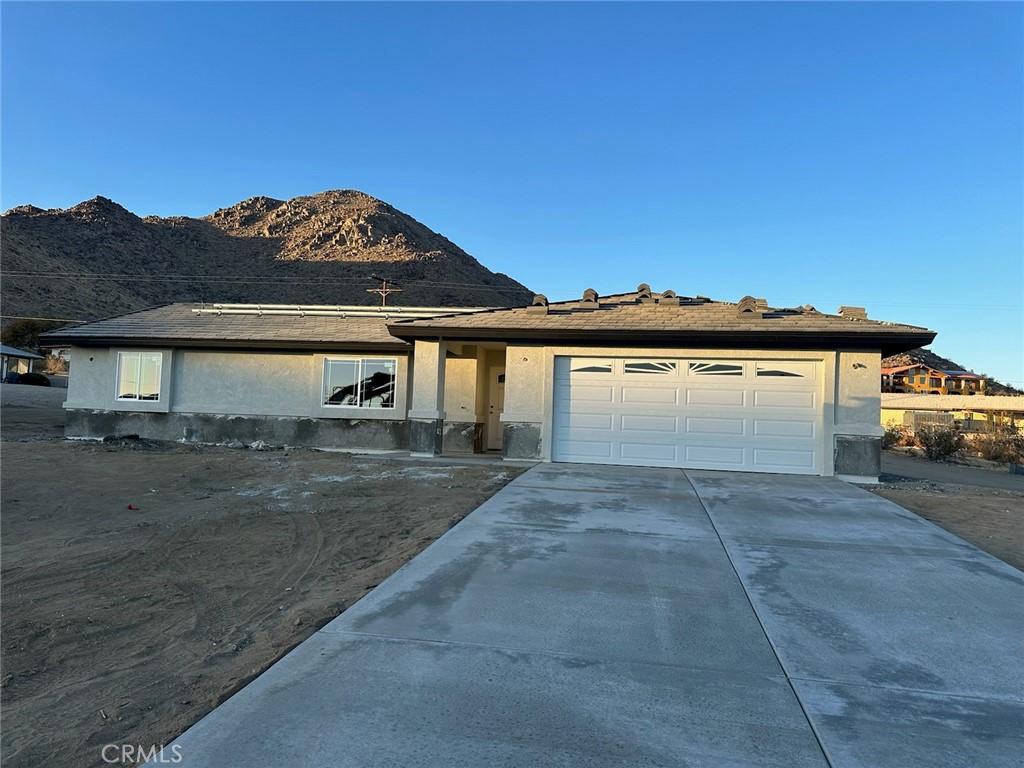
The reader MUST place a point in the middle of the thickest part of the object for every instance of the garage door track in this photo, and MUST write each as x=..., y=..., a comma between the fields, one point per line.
x=612, y=616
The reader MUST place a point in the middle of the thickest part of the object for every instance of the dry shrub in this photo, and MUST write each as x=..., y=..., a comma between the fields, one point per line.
x=895, y=434
x=55, y=364
x=1004, y=444
x=940, y=442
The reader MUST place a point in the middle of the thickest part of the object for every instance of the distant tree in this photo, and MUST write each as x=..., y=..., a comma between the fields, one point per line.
x=24, y=334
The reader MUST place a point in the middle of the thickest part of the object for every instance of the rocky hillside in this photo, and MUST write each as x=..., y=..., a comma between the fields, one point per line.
x=98, y=259
x=923, y=356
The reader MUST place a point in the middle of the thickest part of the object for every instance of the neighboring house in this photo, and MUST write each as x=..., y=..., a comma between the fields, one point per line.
x=970, y=413
x=920, y=378
x=637, y=378
x=14, y=360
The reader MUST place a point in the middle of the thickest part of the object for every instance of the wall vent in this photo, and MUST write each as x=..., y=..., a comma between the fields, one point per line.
x=589, y=300
x=669, y=299
x=643, y=294
x=748, y=307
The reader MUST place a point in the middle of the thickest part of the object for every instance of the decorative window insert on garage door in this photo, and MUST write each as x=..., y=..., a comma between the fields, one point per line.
x=757, y=415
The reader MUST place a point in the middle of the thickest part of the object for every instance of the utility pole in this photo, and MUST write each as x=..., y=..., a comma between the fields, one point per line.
x=386, y=288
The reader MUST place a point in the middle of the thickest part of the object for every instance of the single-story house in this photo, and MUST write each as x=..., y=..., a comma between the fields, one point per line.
x=639, y=378
x=14, y=360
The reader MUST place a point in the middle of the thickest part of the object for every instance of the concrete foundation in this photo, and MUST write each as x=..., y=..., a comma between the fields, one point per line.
x=521, y=440
x=374, y=434
x=858, y=456
x=426, y=436
x=462, y=437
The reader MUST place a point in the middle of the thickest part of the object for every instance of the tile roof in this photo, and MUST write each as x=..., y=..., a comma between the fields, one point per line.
x=181, y=325
x=627, y=317
x=955, y=373
x=625, y=313
x=8, y=351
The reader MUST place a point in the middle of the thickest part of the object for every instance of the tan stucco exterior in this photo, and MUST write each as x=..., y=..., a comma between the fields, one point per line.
x=445, y=384
x=228, y=382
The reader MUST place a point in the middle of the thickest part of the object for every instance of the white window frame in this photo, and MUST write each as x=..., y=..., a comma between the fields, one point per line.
x=361, y=360
x=121, y=355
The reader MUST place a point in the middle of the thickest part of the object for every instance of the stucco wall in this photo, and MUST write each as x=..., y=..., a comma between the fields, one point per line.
x=256, y=384
x=227, y=382
x=858, y=393
x=93, y=383
x=460, y=390
x=526, y=383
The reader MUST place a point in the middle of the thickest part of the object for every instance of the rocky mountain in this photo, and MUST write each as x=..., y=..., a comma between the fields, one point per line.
x=923, y=356
x=98, y=259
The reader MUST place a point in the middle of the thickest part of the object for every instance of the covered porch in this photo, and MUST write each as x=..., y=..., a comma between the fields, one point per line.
x=457, y=397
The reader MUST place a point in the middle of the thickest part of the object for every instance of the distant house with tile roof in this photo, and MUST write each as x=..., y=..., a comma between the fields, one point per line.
x=923, y=379
x=14, y=360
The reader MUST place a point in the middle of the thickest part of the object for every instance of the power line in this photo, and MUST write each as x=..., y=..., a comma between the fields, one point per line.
x=247, y=280
x=53, y=319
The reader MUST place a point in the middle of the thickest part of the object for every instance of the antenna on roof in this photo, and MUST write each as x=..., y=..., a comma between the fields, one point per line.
x=386, y=288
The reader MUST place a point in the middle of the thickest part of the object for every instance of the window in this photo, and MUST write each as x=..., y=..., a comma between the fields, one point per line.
x=663, y=367
x=934, y=382
x=583, y=365
x=354, y=383
x=715, y=369
x=138, y=375
x=786, y=370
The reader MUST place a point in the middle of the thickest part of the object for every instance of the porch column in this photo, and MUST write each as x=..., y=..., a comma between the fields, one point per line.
x=426, y=414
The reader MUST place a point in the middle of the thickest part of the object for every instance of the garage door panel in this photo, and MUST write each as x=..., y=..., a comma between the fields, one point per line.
x=650, y=395
x=766, y=398
x=651, y=451
x=714, y=425
x=783, y=428
x=585, y=420
x=591, y=392
x=695, y=396
x=593, y=449
x=634, y=422
x=765, y=416
x=729, y=456
x=775, y=457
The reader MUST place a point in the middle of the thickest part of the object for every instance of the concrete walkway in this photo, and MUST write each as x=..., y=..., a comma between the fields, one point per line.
x=601, y=616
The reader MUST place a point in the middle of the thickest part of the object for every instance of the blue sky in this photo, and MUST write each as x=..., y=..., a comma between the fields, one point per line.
x=808, y=153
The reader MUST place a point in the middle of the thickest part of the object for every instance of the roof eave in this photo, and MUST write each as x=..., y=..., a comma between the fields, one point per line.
x=889, y=342
x=259, y=344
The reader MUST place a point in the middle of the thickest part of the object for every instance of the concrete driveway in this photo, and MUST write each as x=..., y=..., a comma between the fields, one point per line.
x=601, y=616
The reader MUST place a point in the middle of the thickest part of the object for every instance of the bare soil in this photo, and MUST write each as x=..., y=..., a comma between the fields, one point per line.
x=990, y=518
x=142, y=584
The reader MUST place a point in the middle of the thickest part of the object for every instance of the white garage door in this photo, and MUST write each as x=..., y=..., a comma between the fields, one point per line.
x=704, y=413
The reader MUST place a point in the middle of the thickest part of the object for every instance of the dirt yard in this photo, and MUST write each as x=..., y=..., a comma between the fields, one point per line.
x=143, y=584
x=992, y=519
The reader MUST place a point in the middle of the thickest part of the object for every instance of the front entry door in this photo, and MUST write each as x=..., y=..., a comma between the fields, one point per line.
x=495, y=405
